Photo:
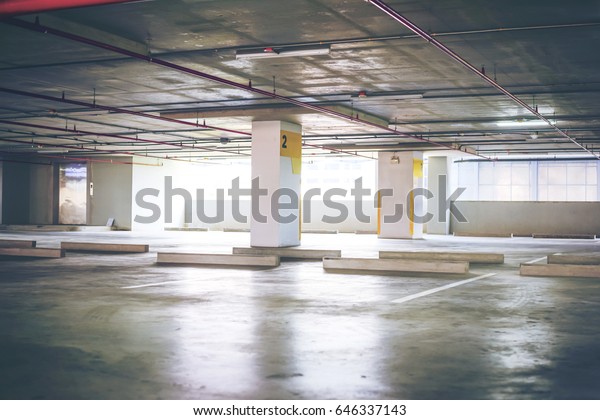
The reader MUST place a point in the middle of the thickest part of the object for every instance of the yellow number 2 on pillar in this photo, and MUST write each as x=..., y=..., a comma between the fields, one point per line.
x=291, y=146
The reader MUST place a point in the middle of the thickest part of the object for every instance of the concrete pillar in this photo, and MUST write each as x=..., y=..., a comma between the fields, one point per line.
x=399, y=174
x=276, y=167
x=438, y=172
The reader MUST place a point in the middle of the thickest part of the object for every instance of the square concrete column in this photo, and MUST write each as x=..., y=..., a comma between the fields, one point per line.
x=438, y=180
x=399, y=177
x=276, y=167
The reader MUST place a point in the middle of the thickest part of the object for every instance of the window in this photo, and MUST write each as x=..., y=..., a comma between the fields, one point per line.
x=567, y=181
x=529, y=181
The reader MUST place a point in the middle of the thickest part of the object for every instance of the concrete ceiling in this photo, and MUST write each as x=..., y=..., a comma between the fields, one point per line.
x=544, y=52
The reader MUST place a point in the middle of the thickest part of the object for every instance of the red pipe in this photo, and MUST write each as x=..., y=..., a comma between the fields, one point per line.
x=119, y=110
x=316, y=146
x=423, y=34
x=142, y=114
x=82, y=148
x=157, y=61
x=21, y=7
x=81, y=159
x=115, y=136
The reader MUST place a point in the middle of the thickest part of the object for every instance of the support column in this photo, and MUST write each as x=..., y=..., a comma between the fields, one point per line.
x=438, y=180
x=276, y=167
x=399, y=174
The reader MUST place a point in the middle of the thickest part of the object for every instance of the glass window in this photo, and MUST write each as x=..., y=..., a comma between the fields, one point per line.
x=520, y=174
x=557, y=175
x=72, y=195
x=543, y=192
x=502, y=193
x=576, y=193
x=542, y=173
x=511, y=181
x=486, y=192
x=592, y=174
x=576, y=174
x=520, y=193
x=503, y=174
x=486, y=174
x=591, y=193
x=557, y=193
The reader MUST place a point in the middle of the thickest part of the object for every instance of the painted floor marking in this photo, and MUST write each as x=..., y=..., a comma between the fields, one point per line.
x=159, y=284
x=536, y=260
x=440, y=289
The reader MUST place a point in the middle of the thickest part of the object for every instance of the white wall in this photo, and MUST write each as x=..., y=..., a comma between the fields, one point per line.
x=112, y=193
x=41, y=194
x=528, y=217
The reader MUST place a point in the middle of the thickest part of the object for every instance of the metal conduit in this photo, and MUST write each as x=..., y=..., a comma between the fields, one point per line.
x=80, y=159
x=119, y=110
x=116, y=136
x=456, y=57
x=44, y=29
x=80, y=148
x=145, y=115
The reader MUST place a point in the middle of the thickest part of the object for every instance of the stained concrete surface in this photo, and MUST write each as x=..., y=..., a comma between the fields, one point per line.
x=97, y=326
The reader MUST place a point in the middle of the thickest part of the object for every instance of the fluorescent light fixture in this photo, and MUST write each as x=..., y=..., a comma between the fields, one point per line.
x=274, y=52
x=523, y=123
x=365, y=97
x=53, y=150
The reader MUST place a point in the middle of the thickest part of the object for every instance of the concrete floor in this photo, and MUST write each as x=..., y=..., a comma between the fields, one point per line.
x=75, y=329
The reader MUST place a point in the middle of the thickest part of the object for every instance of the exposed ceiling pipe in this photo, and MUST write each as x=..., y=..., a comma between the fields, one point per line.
x=410, y=36
x=21, y=7
x=45, y=29
x=321, y=42
x=331, y=149
x=456, y=57
x=84, y=149
x=80, y=159
x=135, y=113
x=70, y=147
x=116, y=136
x=119, y=110
x=534, y=159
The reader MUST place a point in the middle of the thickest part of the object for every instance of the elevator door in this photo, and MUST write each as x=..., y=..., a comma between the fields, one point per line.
x=73, y=194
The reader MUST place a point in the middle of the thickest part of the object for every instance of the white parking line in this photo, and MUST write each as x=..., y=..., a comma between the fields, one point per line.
x=536, y=260
x=439, y=289
x=158, y=284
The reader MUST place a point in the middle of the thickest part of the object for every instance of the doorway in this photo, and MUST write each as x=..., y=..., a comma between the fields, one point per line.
x=72, y=194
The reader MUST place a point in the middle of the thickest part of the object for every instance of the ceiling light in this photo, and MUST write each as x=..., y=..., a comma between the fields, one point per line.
x=364, y=96
x=395, y=159
x=523, y=123
x=53, y=150
x=273, y=52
